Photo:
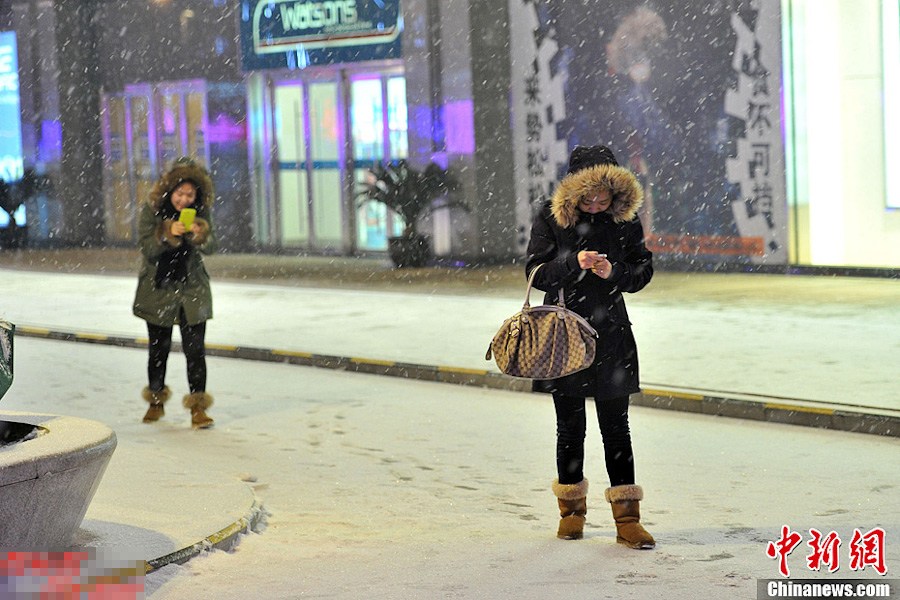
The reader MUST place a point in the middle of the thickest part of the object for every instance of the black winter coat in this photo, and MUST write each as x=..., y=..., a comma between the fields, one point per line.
x=558, y=233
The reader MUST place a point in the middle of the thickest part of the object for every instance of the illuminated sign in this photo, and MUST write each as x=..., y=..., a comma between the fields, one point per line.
x=299, y=33
x=890, y=19
x=11, y=166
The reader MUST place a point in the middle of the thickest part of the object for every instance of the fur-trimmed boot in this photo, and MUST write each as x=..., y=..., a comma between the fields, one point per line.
x=156, y=401
x=197, y=403
x=572, y=499
x=626, y=508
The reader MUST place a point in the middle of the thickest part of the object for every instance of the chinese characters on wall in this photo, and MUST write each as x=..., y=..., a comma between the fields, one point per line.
x=758, y=167
x=537, y=106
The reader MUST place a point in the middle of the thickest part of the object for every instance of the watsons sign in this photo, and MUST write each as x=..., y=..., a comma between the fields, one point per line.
x=318, y=16
x=299, y=33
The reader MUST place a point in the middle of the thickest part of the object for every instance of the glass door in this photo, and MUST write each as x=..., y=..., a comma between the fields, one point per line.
x=196, y=119
x=116, y=176
x=320, y=120
x=379, y=129
x=171, y=115
x=308, y=140
x=367, y=116
x=141, y=144
x=325, y=143
x=144, y=130
x=290, y=132
x=182, y=119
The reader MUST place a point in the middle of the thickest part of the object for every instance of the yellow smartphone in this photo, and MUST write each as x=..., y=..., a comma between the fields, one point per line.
x=187, y=217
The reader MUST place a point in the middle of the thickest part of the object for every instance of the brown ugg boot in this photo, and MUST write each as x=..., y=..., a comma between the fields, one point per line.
x=197, y=403
x=572, y=499
x=156, y=401
x=626, y=509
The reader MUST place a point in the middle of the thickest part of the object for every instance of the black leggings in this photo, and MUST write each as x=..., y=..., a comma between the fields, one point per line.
x=192, y=344
x=571, y=425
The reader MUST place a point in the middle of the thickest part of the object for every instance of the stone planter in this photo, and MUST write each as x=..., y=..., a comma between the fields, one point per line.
x=50, y=467
x=14, y=237
x=414, y=251
x=47, y=482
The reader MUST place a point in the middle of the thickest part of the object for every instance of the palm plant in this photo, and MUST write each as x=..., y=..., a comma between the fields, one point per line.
x=411, y=194
x=10, y=237
x=408, y=192
x=9, y=202
x=14, y=195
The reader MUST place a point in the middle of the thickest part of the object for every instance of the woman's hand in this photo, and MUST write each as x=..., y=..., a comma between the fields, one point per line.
x=177, y=228
x=588, y=258
x=602, y=267
x=596, y=262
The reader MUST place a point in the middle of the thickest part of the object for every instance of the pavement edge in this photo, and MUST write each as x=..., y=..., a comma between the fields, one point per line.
x=224, y=539
x=773, y=410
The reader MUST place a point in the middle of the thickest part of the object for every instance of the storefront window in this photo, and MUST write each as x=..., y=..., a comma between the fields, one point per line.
x=11, y=164
x=397, y=118
x=368, y=149
x=325, y=155
x=840, y=74
x=290, y=133
x=891, y=50
x=368, y=129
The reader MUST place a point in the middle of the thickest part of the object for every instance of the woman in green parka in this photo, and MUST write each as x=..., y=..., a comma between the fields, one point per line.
x=173, y=285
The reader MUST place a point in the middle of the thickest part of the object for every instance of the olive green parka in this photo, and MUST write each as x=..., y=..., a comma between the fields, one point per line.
x=162, y=305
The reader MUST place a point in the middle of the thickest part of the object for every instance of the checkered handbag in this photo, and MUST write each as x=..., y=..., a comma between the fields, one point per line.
x=543, y=342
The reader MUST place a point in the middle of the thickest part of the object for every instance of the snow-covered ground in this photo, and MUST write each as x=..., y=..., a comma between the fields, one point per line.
x=384, y=488
x=390, y=489
x=825, y=352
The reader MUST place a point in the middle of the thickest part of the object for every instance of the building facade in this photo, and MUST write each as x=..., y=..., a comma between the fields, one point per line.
x=763, y=131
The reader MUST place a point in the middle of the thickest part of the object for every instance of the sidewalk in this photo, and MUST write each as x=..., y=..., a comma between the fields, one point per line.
x=800, y=349
x=395, y=489
x=803, y=350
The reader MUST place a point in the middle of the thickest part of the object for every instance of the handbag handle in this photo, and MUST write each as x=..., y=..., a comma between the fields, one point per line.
x=561, y=302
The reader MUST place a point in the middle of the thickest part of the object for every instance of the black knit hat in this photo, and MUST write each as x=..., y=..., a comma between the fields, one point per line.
x=583, y=157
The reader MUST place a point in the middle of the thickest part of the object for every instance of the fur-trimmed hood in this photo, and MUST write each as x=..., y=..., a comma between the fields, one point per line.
x=627, y=194
x=183, y=169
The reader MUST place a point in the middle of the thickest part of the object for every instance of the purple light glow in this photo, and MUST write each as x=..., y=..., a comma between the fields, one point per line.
x=224, y=129
x=50, y=145
x=459, y=127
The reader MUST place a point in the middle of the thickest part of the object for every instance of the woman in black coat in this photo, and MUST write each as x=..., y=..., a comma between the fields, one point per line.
x=591, y=243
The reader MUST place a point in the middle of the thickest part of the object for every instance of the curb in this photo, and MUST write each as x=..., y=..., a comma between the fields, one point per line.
x=224, y=539
x=788, y=411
